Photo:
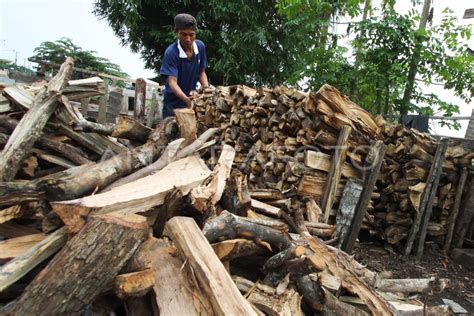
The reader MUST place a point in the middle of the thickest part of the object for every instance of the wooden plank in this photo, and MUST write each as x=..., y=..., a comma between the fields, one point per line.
x=426, y=205
x=374, y=163
x=209, y=270
x=137, y=196
x=103, y=104
x=334, y=175
x=21, y=265
x=468, y=14
x=346, y=211
x=455, y=210
x=32, y=123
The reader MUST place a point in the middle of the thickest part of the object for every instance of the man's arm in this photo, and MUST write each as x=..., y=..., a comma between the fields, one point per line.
x=173, y=82
x=203, y=78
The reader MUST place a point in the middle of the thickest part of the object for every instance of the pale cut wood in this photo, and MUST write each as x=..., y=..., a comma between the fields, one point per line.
x=21, y=265
x=31, y=125
x=455, y=209
x=134, y=284
x=313, y=186
x=270, y=302
x=187, y=124
x=313, y=211
x=321, y=161
x=410, y=285
x=334, y=174
x=137, y=196
x=10, y=213
x=210, y=192
x=14, y=247
x=211, y=274
x=85, y=267
x=228, y=250
x=266, y=208
x=174, y=290
x=19, y=95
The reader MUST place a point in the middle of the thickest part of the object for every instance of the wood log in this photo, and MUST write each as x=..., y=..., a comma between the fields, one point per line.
x=82, y=180
x=103, y=103
x=333, y=306
x=174, y=202
x=187, y=124
x=139, y=100
x=210, y=191
x=175, y=292
x=464, y=223
x=411, y=285
x=270, y=302
x=10, y=213
x=210, y=272
x=266, y=194
x=321, y=161
x=313, y=211
x=21, y=265
x=229, y=250
x=137, y=196
x=266, y=208
x=13, y=230
x=455, y=210
x=72, y=283
x=346, y=212
x=67, y=151
x=31, y=125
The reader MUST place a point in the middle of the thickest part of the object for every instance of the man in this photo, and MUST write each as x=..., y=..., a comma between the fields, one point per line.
x=184, y=64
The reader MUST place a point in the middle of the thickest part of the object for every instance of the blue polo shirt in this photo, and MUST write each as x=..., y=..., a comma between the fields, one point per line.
x=176, y=63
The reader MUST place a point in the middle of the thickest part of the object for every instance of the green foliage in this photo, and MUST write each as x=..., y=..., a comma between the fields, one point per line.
x=56, y=52
x=246, y=41
x=6, y=64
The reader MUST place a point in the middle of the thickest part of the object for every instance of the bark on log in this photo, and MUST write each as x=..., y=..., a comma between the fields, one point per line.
x=211, y=274
x=411, y=285
x=31, y=125
x=134, y=284
x=69, y=281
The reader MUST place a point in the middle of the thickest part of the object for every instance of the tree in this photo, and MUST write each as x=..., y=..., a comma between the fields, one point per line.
x=56, y=52
x=247, y=41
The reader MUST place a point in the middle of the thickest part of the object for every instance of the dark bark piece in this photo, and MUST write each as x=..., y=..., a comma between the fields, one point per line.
x=346, y=211
x=84, y=267
x=455, y=209
x=174, y=202
x=31, y=125
x=465, y=219
x=312, y=292
x=67, y=151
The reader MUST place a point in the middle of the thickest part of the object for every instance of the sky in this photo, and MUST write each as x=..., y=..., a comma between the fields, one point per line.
x=25, y=24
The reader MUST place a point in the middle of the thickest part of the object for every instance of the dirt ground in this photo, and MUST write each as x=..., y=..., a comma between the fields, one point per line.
x=433, y=263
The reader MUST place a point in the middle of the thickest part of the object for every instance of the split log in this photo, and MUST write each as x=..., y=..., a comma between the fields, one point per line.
x=334, y=174
x=13, y=230
x=10, y=213
x=321, y=161
x=70, y=282
x=21, y=265
x=410, y=285
x=137, y=196
x=67, y=151
x=134, y=284
x=270, y=302
x=174, y=291
x=171, y=155
x=229, y=250
x=266, y=194
x=266, y=208
x=187, y=124
x=211, y=190
x=15, y=247
x=210, y=272
x=31, y=125
x=333, y=306
x=313, y=211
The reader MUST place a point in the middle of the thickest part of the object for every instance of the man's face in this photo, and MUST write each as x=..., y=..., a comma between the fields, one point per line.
x=186, y=36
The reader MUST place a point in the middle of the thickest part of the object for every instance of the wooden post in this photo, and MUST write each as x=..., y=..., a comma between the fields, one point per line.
x=103, y=103
x=140, y=100
x=463, y=224
x=374, y=159
x=427, y=198
x=347, y=206
x=334, y=175
x=455, y=210
x=85, y=106
x=150, y=118
x=209, y=270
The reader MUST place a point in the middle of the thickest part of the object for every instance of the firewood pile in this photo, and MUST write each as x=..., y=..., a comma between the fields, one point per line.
x=288, y=141
x=178, y=220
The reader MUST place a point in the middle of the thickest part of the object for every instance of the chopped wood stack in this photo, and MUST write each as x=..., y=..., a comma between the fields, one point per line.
x=80, y=240
x=295, y=143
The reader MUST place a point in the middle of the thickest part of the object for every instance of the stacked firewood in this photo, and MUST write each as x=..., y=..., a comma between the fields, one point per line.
x=152, y=230
x=288, y=141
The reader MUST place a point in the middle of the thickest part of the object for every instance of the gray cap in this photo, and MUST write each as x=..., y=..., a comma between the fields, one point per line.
x=184, y=21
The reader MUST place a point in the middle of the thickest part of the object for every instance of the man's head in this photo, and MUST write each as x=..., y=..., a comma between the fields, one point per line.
x=185, y=26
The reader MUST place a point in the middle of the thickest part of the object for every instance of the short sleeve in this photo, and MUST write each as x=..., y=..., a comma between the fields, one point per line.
x=170, y=64
x=203, y=57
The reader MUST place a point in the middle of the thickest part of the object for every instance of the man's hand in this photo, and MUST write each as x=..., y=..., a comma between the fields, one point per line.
x=189, y=102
